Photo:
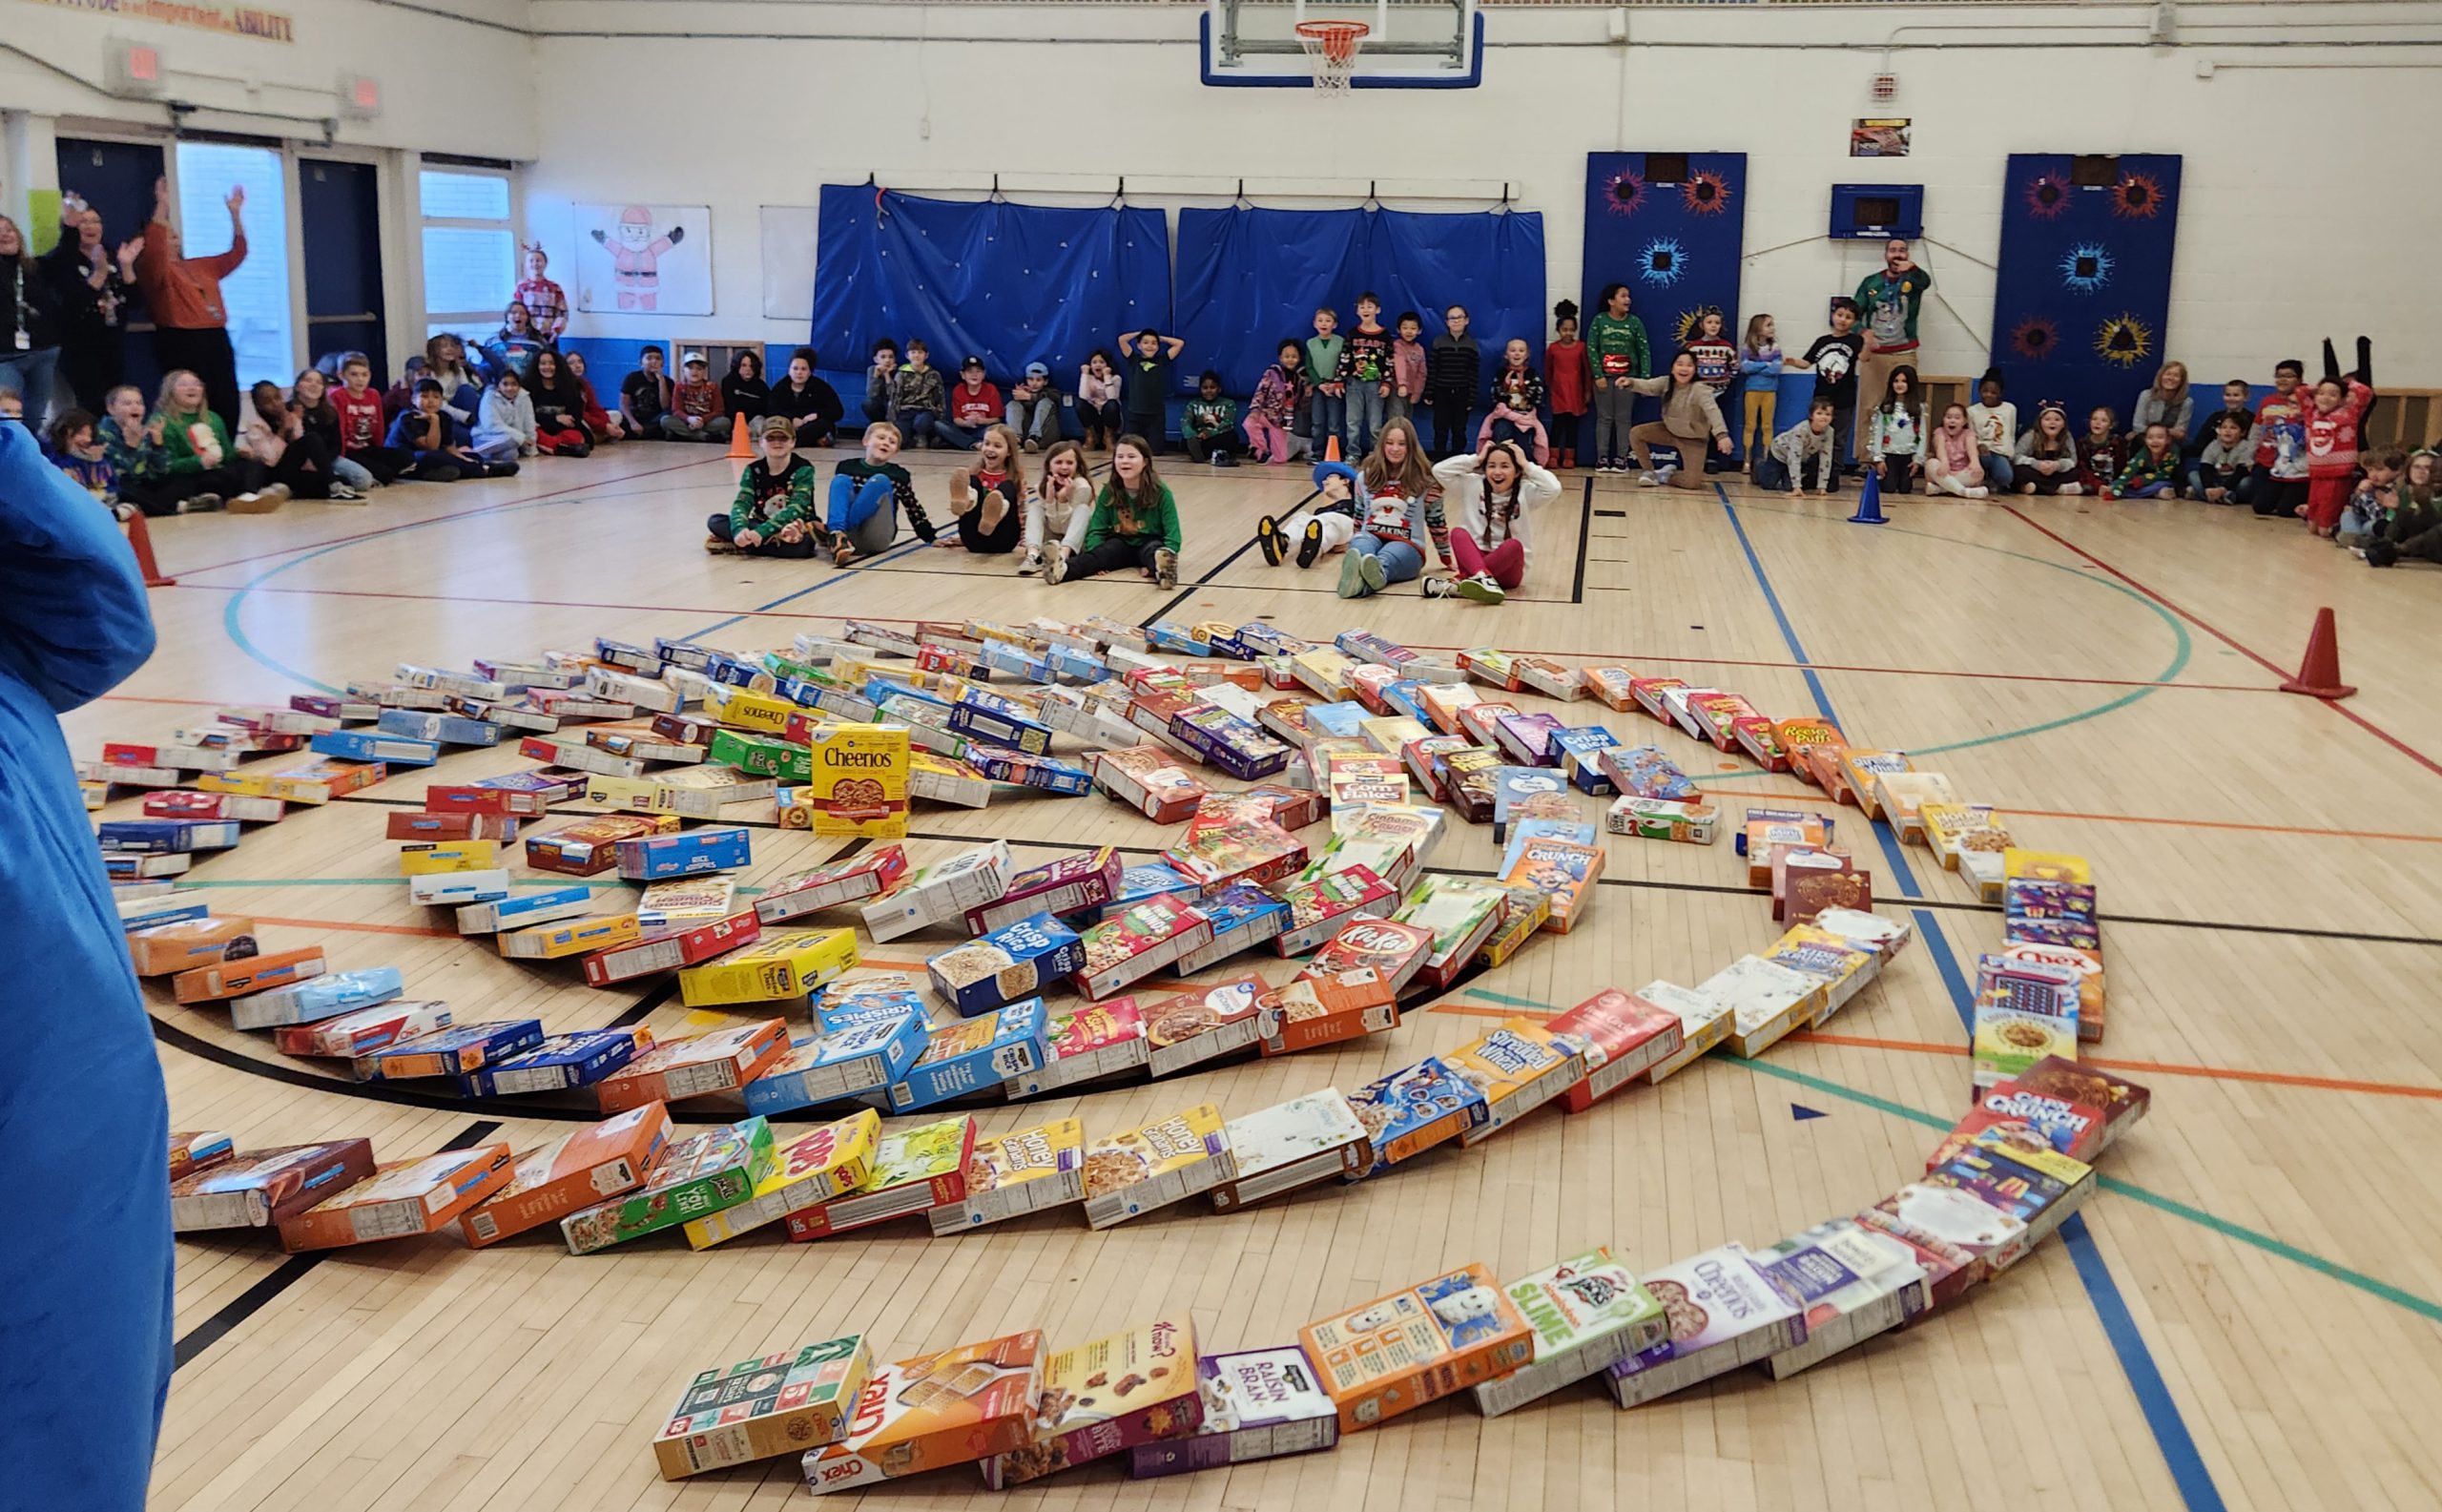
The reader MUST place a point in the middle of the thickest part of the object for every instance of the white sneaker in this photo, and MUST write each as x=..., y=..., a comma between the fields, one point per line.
x=1483, y=587
x=1439, y=588
x=1650, y=480
x=1031, y=566
x=341, y=493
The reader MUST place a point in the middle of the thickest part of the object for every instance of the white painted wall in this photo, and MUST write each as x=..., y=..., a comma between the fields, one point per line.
x=2298, y=218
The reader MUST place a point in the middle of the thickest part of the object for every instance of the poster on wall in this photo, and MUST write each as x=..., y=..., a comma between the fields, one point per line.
x=1879, y=136
x=788, y=261
x=632, y=259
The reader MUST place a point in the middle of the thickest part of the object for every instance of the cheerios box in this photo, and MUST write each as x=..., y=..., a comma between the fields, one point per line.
x=973, y=1054
x=1417, y=1345
x=860, y=779
x=1016, y=961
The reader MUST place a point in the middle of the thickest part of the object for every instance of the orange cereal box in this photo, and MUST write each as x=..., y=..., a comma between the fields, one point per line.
x=1414, y=1346
x=955, y=1407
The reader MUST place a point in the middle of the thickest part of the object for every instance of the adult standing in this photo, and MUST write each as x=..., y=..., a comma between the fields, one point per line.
x=86, y=1312
x=1892, y=299
x=92, y=286
x=28, y=326
x=191, y=322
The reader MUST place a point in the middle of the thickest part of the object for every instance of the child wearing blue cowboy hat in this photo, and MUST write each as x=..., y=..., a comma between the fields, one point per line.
x=1325, y=522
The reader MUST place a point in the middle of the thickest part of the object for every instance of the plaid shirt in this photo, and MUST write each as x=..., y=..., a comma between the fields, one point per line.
x=544, y=301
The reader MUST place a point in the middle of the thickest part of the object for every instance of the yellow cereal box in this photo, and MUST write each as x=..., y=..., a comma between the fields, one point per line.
x=1166, y=1161
x=758, y=711
x=832, y=1160
x=433, y=858
x=859, y=783
x=1855, y=774
x=2047, y=867
x=787, y=965
x=1902, y=797
x=1519, y=1068
x=1018, y=1173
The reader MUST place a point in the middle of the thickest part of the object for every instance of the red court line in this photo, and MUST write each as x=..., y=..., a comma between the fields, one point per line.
x=2351, y=715
x=461, y=514
x=2216, y=1073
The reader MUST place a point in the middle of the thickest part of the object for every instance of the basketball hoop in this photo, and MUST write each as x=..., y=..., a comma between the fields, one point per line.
x=1332, y=47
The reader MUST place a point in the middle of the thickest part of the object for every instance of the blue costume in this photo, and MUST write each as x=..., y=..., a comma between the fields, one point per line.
x=84, y=1313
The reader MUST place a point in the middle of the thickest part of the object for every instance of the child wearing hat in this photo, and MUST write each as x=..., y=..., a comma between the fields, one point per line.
x=1034, y=408
x=974, y=406
x=697, y=413
x=1327, y=524
x=774, y=514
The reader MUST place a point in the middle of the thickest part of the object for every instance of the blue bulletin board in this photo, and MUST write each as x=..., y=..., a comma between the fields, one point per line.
x=1671, y=226
x=2083, y=296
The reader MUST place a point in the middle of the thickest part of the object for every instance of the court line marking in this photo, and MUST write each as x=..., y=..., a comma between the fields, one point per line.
x=2213, y=1073
x=1819, y=800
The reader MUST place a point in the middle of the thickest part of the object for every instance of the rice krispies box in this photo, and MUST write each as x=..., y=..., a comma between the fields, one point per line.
x=1018, y=959
x=1138, y=942
x=1623, y=1036
x=1072, y=883
x=1204, y=1022
x=971, y=1055
x=1168, y=1160
x=758, y=1408
x=1586, y=1313
x=1258, y=1404
x=703, y=1173
x=955, y=1407
x=1292, y=1145
x=1016, y=1173
x=1415, y=1109
x=1417, y=1345
x=1108, y=1396
x=1518, y=1068
x=913, y=1169
x=553, y=1180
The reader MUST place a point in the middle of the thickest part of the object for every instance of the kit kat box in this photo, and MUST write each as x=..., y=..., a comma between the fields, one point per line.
x=813, y=1167
x=758, y=1408
x=560, y=1062
x=1417, y=1345
x=400, y=1200
x=1102, y=1397
x=1258, y=1404
x=1623, y=1037
x=972, y=1054
x=363, y=1031
x=1586, y=1313
x=1018, y=959
x=256, y=1188
x=703, y=1173
x=955, y=1407
x=693, y=1065
x=1204, y=1022
x=554, y=1179
x=1168, y=1160
x=867, y=875
x=1085, y=1044
x=1013, y=1174
x=1517, y=1067
x=1292, y=1144
x=913, y=1169
x=855, y=1060
x=1725, y=1312
x=1415, y=1109
x=1072, y=883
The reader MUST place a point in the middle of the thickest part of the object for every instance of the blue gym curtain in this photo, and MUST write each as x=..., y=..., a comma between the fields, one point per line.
x=1248, y=279
x=1676, y=244
x=2085, y=288
x=1012, y=284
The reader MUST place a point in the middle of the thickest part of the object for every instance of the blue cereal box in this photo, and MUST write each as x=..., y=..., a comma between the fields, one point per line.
x=1578, y=746
x=316, y=998
x=891, y=996
x=1168, y=635
x=1645, y=772
x=447, y=729
x=1051, y=774
x=559, y=1063
x=520, y=910
x=1236, y=746
x=166, y=837
x=371, y=745
x=974, y=1054
x=1016, y=961
x=453, y=1052
x=653, y=858
x=1415, y=1109
x=858, y=1058
x=1244, y=916
x=1522, y=792
x=998, y=727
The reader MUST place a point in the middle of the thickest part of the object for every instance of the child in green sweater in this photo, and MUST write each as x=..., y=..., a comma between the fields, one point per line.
x=1135, y=523
x=775, y=514
x=1212, y=420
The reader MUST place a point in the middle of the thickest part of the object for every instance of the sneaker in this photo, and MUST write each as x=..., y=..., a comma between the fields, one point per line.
x=1352, y=574
x=1224, y=459
x=1275, y=545
x=1648, y=479
x=1482, y=589
x=1055, y=565
x=1440, y=586
x=1166, y=568
x=1311, y=545
x=1032, y=445
x=1370, y=568
x=200, y=504
x=720, y=545
x=1032, y=566
x=843, y=552
x=343, y=493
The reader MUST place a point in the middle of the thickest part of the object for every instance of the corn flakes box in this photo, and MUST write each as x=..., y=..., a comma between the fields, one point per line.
x=973, y=1054
x=787, y=965
x=1517, y=1067
x=1417, y=1345
x=590, y=846
x=961, y=1405
x=1204, y=1022
x=702, y=1173
x=1586, y=1313
x=869, y=873
x=1138, y=942
x=1324, y=1007
x=1017, y=961
x=1725, y=1312
x=1291, y=1146
x=1320, y=906
x=553, y=1179
x=1462, y=913
x=693, y=1065
x=1415, y=1109
x=1166, y=1161
x=1085, y=1044
x=1703, y=1022
x=579, y=937
x=400, y=1200
x=1855, y=1282
x=1621, y=1036
x=1645, y=772
x=760, y=1408
x=1013, y=1174
x=832, y=1160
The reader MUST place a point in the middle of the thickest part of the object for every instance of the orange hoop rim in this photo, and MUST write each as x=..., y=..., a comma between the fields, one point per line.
x=1338, y=39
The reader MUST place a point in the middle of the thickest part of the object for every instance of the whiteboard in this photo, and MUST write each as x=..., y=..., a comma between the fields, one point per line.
x=788, y=263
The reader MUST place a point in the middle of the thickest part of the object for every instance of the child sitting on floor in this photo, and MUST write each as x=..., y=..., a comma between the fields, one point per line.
x=2101, y=455
x=867, y=495
x=1813, y=445
x=1059, y=507
x=504, y=422
x=697, y=413
x=1210, y=418
x=1951, y=462
x=1402, y=510
x=2047, y=458
x=1517, y=394
x=1135, y=522
x=2153, y=472
x=1494, y=492
x=438, y=443
x=2413, y=529
x=774, y=514
x=989, y=502
x=2376, y=497
x=2219, y=475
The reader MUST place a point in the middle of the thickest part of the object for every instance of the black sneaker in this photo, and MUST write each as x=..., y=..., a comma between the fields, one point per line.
x=1275, y=545
x=1311, y=547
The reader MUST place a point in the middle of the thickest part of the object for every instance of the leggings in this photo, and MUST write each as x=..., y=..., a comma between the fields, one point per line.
x=1899, y=471
x=1566, y=431
x=1401, y=562
x=1689, y=473
x=720, y=528
x=1104, y=417
x=1266, y=441
x=1505, y=562
x=2326, y=497
x=2046, y=484
x=304, y=467
x=384, y=462
x=1611, y=411
x=1450, y=406
x=1755, y=433
x=998, y=538
x=1116, y=554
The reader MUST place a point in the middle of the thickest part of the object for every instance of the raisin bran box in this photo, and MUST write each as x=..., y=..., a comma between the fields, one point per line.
x=955, y=1407
x=1853, y=1281
x=403, y=1199
x=869, y=874
x=256, y=1188
x=1322, y=906
x=913, y=1169
x=1725, y=1312
x=702, y=1173
x=553, y=1180
x=1072, y=883
x=1138, y=942
x=1166, y=1161
x=759, y=1408
x=819, y=1165
x=855, y=1060
x=1133, y=1388
x=1415, y=1109
x=1623, y=1037
x=1417, y=1345
x=693, y=1065
x=1292, y=1144
x=1585, y=1314
x=1085, y=1044
x=1013, y=1174
x=973, y=1054
x=1204, y=1022
x=1517, y=1067
x=1017, y=960
x=1258, y=1404
x=1324, y=1008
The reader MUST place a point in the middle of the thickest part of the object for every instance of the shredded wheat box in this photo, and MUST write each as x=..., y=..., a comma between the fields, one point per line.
x=1586, y=1314
x=1516, y=1069
x=1258, y=1404
x=955, y=1407
x=793, y=1401
x=400, y=1200
x=828, y=1162
x=1116, y=1392
x=1417, y=1345
x=704, y=1173
x=1013, y=1174
x=1292, y=1144
x=553, y=1180
x=1168, y=1160
x=1725, y=1312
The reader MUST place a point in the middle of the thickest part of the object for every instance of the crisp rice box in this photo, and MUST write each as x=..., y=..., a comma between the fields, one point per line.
x=1724, y=1311
x=400, y=1200
x=1168, y=1160
x=553, y=1180
x=1853, y=1281
x=955, y=1407
x=1292, y=1145
x=1017, y=960
x=1017, y=1173
x=1099, y=1398
x=1586, y=1313
x=1703, y=1022
x=1518, y=1068
x=1258, y=1404
x=703, y=1173
x=1624, y=1037
x=759, y=1408
x=1414, y=1346
x=856, y=1060
x=828, y=1162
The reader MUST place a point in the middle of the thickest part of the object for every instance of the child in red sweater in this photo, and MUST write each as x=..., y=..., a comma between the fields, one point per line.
x=1568, y=383
x=362, y=424
x=2332, y=421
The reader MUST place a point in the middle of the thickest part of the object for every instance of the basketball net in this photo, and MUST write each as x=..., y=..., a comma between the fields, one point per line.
x=1330, y=49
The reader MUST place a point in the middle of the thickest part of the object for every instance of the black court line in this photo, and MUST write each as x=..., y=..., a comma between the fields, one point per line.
x=1607, y=514
x=291, y=1271
x=1189, y=591
x=1585, y=537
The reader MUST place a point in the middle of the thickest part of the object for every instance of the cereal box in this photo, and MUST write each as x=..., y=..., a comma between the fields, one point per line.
x=1417, y=828
x=451, y=1052
x=1610, y=686
x=1461, y=912
x=829, y=1162
x=189, y=944
x=1417, y=1345
x=1230, y=743
x=405, y=824
x=476, y=798
x=1017, y=961
x=1324, y=670
x=1258, y=1404
x=1133, y=1388
x=559, y=1063
x=552, y=941
x=703, y=1173
x=860, y=781
x=653, y=858
x=1517, y=1068
x=1083, y=1045
x=955, y=1407
x=554, y=1179
x=2050, y=914
x=2123, y=1102
x=454, y=889
x=863, y=876
x=1292, y=1144
x=786, y=964
x=685, y=900
x=695, y=1065
x=1703, y=1022
x=1217, y=855
x=1767, y=1001
x=198, y=1150
x=1390, y=734
x=1321, y=906
x=1621, y=1036
x=1854, y=777
x=1853, y=1281
x=1645, y=772
x=913, y=1169
x=941, y=893
x=1843, y=967
x=1529, y=738
x=1651, y=692
x=363, y=1031
x=1323, y=1008
x=402, y=1199
x=1444, y=701
x=1204, y=1022
x=853, y=1060
x=256, y=1188
x=1820, y=881
x=1568, y=874
x=1423, y=758
x=317, y=998
x=2087, y=965
x=1243, y=917
x=1576, y=747
x=1144, y=883
x=1137, y=942
x=1899, y=800
x=1586, y=1314
x=1974, y=1239
x=1394, y=952
x=1689, y=823
x=589, y=846
x=675, y=946
x=1725, y=1312
x=1551, y=679
x=1168, y=1160
x=1753, y=735
x=1014, y=1174
x=2038, y=1185
x=759, y=1408
x=1049, y=774
x=1492, y=667
x=973, y=1054
x=2008, y=1040
x=1715, y=712
x=255, y=973
x=1521, y=789
x=1070, y=884
x=1415, y=1109
x=2029, y=1120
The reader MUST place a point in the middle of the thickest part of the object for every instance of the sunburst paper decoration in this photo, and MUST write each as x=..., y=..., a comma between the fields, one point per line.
x=2135, y=198
x=2123, y=341
x=1706, y=193
x=1663, y=262
x=1623, y=193
x=1689, y=319
x=2047, y=196
x=2035, y=338
x=2086, y=267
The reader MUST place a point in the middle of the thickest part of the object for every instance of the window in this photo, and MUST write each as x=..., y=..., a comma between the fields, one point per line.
x=469, y=252
x=257, y=294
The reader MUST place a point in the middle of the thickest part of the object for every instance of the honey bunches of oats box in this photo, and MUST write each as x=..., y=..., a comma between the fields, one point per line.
x=1168, y=1160
x=1018, y=1173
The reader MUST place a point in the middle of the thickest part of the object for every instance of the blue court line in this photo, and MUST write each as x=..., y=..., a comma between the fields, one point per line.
x=2187, y=1468
x=837, y=576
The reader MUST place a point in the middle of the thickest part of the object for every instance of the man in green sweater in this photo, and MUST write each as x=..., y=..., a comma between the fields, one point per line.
x=1892, y=299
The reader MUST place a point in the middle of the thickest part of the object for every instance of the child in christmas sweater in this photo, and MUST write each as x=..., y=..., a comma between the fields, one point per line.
x=774, y=514
x=1517, y=394
x=2332, y=421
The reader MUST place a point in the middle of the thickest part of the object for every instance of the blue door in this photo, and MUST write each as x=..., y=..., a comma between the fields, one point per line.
x=339, y=206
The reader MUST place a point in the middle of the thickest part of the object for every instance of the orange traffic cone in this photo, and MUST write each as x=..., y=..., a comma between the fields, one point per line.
x=2318, y=674
x=140, y=536
x=741, y=442
x=1331, y=449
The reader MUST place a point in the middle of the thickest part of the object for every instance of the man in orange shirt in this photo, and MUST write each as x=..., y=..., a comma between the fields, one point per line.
x=191, y=323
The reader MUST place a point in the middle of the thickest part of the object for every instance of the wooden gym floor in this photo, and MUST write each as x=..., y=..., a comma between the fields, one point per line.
x=2246, y=1316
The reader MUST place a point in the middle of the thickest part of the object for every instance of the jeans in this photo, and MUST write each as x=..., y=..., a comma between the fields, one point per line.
x=715, y=428
x=851, y=506
x=350, y=471
x=2234, y=480
x=1116, y=554
x=1036, y=419
x=1771, y=474
x=34, y=376
x=1612, y=408
x=915, y=427
x=720, y=528
x=1364, y=402
x=958, y=437
x=1330, y=412
x=1998, y=475
x=1401, y=562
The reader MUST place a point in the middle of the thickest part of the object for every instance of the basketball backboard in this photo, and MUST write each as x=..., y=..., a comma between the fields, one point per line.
x=1407, y=44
